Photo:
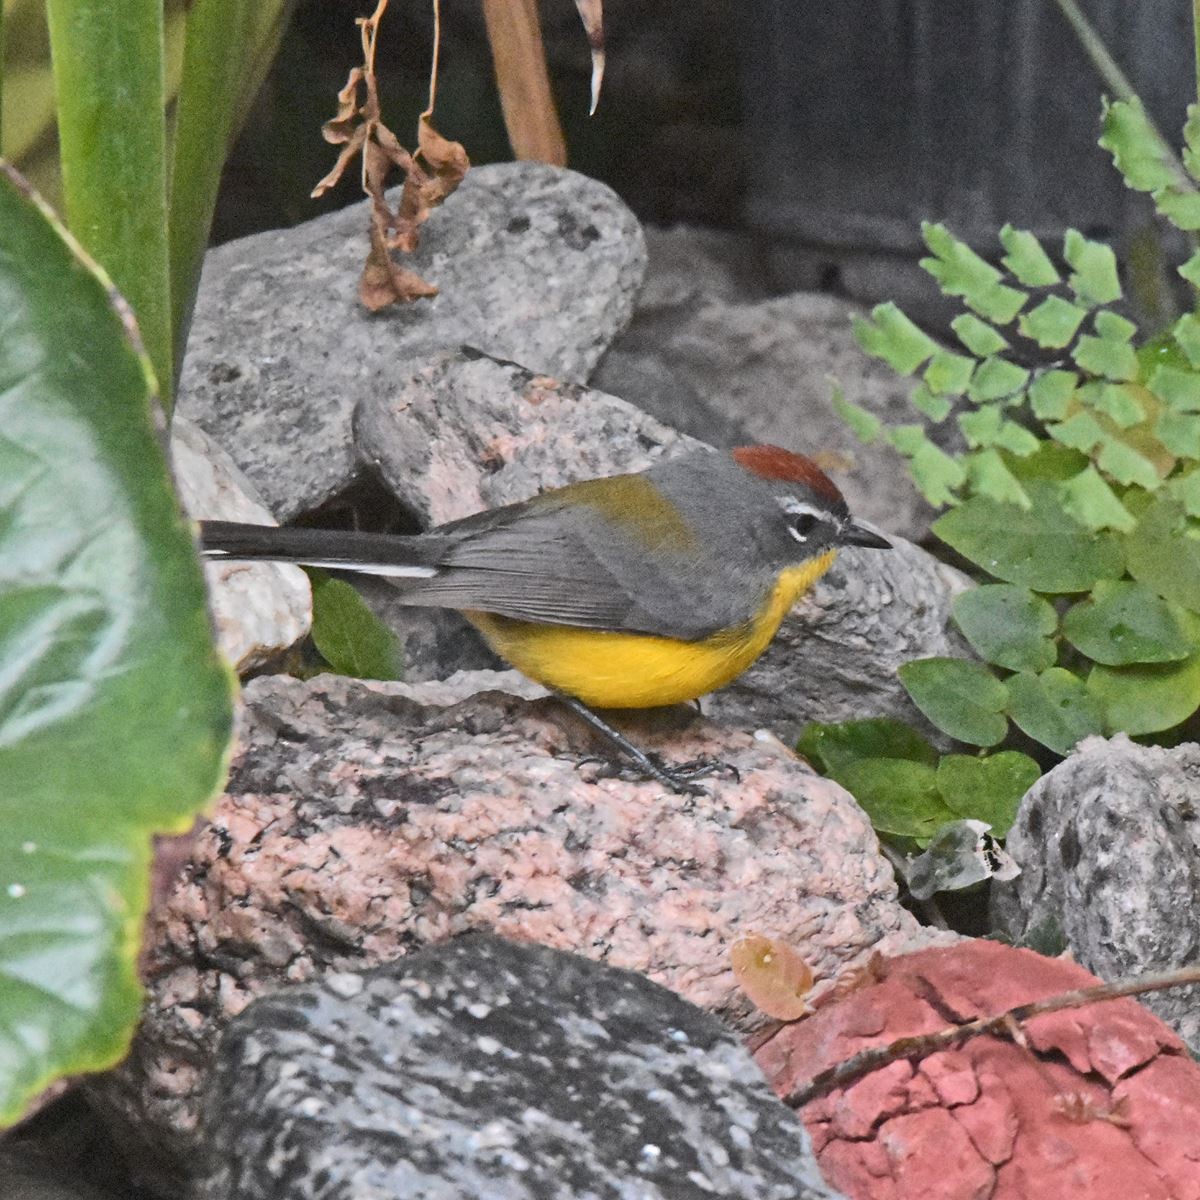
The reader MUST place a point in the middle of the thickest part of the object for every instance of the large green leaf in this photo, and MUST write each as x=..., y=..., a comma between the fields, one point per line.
x=1146, y=699
x=1042, y=548
x=1053, y=708
x=114, y=708
x=348, y=635
x=1124, y=622
x=831, y=748
x=987, y=789
x=900, y=796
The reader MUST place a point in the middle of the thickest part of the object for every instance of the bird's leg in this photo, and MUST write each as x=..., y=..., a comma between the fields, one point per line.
x=676, y=780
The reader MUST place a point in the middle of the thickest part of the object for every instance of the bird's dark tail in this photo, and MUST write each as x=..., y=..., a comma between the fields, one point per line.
x=413, y=557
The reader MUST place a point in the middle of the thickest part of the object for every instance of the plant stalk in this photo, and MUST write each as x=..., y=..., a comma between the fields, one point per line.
x=108, y=58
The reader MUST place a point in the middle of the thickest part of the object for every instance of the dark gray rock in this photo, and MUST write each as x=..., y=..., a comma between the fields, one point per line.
x=1109, y=848
x=534, y=264
x=707, y=355
x=487, y=1070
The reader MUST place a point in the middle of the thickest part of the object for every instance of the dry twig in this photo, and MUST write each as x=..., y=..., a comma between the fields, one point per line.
x=430, y=175
x=1006, y=1024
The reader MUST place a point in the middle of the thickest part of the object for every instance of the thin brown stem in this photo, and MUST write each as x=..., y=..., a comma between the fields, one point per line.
x=1005, y=1024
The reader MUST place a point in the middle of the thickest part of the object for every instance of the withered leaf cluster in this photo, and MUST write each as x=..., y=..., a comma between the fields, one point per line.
x=430, y=175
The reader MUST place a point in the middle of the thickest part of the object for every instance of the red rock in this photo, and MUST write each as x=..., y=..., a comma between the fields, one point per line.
x=1102, y=1103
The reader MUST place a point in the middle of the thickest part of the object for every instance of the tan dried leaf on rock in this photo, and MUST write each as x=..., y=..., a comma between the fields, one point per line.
x=773, y=975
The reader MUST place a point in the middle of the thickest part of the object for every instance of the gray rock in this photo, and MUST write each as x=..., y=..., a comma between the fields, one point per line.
x=259, y=610
x=730, y=372
x=1109, y=848
x=534, y=264
x=486, y=1070
x=469, y=432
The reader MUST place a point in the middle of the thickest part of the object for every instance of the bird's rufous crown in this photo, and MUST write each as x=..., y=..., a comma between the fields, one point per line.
x=774, y=462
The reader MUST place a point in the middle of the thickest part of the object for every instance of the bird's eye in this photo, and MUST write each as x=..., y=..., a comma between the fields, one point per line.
x=802, y=526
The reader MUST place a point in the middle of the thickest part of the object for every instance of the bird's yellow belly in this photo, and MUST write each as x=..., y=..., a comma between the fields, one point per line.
x=607, y=669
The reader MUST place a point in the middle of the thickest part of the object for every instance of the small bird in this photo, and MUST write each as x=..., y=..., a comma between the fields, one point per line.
x=631, y=591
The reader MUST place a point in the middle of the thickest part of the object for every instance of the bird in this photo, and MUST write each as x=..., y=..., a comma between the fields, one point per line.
x=636, y=590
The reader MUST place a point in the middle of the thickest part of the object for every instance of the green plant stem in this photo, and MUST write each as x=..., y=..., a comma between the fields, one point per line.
x=108, y=77
x=1196, y=41
x=228, y=48
x=2, y=78
x=1116, y=80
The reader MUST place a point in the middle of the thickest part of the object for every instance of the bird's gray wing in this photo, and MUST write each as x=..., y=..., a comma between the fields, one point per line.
x=561, y=563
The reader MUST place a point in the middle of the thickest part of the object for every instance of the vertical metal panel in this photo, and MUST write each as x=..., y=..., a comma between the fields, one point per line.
x=867, y=116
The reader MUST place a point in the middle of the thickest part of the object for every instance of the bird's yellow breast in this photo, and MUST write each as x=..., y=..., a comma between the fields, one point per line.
x=607, y=669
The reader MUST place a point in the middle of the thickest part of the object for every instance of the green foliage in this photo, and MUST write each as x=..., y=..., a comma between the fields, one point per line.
x=140, y=173
x=348, y=635
x=962, y=698
x=1008, y=625
x=910, y=792
x=1077, y=495
x=114, y=709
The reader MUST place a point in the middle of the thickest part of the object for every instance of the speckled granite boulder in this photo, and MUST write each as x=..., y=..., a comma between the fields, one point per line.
x=485, y=1069
x=364, y=821
x=533, y=263
x=1109, y=848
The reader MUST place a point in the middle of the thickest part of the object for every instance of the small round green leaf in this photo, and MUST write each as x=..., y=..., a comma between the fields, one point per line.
x=830, y=748
x=987, y=789
x=1163, y=552
x=348, y=635
x=1125, y=622
x=962, y=698
x=1008, y=625
x=1146, y=699
x=1053, y=708
x=900, y=796
x=1042, y=548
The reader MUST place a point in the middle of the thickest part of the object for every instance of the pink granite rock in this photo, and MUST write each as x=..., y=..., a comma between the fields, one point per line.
x=1102, y=1104
x=366, y=820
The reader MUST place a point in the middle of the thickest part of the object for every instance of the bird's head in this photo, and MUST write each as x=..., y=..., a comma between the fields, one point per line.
x=812, y=512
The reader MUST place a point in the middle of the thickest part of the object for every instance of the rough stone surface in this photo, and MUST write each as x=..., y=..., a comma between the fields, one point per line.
x=468, y=433
x=259, y=609
x=1103, y=1102
x=485, y=1069
x=534, y=264
x=729, y=368
x=363, y=821
x=1109, y=848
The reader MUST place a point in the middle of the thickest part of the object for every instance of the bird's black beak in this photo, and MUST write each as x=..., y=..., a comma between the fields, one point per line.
x=856, y=535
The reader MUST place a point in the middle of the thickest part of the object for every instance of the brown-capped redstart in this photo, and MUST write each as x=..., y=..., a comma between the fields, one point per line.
x=631, y=591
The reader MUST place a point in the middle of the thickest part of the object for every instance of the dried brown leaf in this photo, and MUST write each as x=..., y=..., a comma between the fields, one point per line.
x=773, y=975
x=342, y=127
x=430, y=175
x=592, y=15
x=384, y=281
x=353, y=145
